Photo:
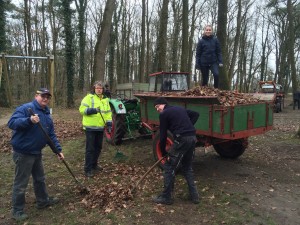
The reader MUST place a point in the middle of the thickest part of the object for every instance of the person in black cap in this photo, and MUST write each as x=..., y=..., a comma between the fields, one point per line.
x=107, y=91
x=180, y=122
x=27, y=142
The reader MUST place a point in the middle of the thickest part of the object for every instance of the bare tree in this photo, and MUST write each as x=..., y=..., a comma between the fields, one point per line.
x=161, y=49
x=81, y=9
x=291, y=43
x=222, y=36
x=141, y=77
x=185, y=36
x=69, y=51
x=102, y=41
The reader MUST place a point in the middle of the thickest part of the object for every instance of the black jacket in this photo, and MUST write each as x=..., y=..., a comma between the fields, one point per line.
x=208, y=51
x=178, y=120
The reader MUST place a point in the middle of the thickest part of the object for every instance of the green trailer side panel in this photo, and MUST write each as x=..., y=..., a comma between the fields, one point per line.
x=254, y=114
x=270, y=120
x=217, y=120
x=204, y=115
x=221, y=120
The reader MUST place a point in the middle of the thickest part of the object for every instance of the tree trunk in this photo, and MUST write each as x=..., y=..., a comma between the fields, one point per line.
x=161, y=50
x=141, y=77
x=4, y=100
x=291, y=45
x=175, y=36
x=81, y=9
x=27, y=24
x=222, y=36
x=191, y=38
x=69, y=52
x=236, y=40
x=185, y=37
x=102, y=41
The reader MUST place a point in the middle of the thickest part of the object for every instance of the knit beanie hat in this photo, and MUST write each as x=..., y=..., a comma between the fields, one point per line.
x=160, y=101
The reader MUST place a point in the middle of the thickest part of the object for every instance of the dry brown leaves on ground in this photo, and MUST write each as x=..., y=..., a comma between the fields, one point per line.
x=64, y=129
x=117, y=194
x=5, y=135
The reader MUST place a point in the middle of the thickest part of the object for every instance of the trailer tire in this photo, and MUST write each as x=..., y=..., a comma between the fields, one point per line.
x=118, y=128
x=158, y=154
x=231, y=149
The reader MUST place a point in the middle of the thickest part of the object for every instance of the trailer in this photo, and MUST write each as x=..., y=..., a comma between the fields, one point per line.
x=225, y=127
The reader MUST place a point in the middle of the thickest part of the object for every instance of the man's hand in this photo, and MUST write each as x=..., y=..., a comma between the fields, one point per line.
x=60, y=156
x=98, y=109
x=220, y=64
x=108, y=126
x=35, y=118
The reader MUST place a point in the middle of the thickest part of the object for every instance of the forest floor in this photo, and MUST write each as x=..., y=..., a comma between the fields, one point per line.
x=260, y=187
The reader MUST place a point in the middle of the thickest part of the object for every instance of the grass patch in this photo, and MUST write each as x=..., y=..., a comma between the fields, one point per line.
x=216, y=206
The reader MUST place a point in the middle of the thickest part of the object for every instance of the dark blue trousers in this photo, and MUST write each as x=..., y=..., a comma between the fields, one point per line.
x=93, y=148
x=214, y=68
x=181, y=152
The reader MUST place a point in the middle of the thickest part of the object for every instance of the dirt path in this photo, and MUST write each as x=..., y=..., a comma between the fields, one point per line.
x=267, y=175
x=4, y=120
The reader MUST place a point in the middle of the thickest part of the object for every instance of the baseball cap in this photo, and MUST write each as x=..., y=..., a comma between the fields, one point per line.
x=43, y=91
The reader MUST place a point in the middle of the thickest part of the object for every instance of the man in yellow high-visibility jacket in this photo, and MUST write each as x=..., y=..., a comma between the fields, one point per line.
x=96, y=113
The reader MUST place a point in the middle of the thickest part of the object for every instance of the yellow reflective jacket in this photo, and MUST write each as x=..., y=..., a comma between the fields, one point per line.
x=92, y=119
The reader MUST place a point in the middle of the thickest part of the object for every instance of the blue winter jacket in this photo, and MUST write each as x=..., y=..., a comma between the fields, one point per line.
x=208, y=51
x=28, y=138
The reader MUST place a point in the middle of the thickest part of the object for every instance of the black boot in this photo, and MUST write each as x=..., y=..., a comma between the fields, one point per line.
x=161, y=199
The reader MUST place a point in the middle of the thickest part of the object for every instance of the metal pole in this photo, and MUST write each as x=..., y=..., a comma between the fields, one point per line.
x=24, y=57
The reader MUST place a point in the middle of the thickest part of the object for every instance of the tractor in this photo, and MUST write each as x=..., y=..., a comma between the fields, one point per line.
x=271, y=92
x=126, y=120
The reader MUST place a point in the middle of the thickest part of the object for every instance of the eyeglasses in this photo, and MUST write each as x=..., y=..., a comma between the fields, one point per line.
x=99, y=88
x=45, y=96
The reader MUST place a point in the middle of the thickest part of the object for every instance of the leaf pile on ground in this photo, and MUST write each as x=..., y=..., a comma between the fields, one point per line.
x=5, y=136
x=111, y=190
x=67, y=129
x=64, y=129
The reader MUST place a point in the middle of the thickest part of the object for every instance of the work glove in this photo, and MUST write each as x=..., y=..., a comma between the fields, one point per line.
x=98, y=109
x=108, y=126
x=220, y=64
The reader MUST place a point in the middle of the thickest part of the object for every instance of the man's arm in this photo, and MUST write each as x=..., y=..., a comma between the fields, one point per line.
x=193, y=116
x=163, y=128
x=19, y=120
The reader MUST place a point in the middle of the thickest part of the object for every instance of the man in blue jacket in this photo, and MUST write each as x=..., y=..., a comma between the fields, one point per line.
x=180, y=122
x=27, y=142
x=208, y=56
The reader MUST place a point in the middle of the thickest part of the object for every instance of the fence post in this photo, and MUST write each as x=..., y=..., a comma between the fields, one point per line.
x=51, y=76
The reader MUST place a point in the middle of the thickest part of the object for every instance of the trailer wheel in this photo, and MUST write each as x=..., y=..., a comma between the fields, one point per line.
x=118, y=128
x=232, y=149
x=158, y=154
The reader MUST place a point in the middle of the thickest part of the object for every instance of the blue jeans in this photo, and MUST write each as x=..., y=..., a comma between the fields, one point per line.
x=214, y=68
x=93, y=148
x=27, y=165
